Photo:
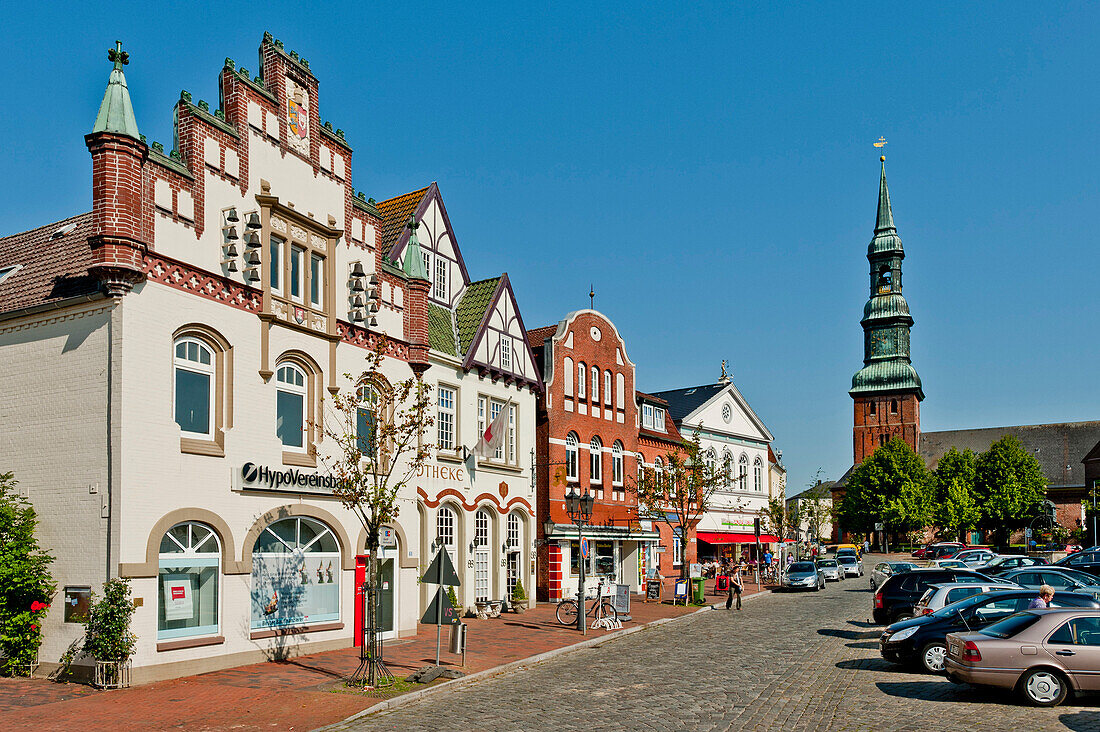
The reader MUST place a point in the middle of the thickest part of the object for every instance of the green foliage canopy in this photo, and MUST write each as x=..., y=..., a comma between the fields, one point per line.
x=1008, y=484
x=890, y=485
x=25, y=582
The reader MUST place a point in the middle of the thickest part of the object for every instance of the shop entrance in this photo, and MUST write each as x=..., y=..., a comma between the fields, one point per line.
x=386, y=579
x=513, y=573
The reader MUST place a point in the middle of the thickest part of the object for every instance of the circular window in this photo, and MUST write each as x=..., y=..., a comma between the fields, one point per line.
x=595, y=333
x=727, y=412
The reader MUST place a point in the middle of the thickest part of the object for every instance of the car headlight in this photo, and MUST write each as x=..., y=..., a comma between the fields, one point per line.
x=903, y=634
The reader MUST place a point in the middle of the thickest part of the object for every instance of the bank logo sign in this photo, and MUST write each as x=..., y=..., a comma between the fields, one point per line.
x=291, y=480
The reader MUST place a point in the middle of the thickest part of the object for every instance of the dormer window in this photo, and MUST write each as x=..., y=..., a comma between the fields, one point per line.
x=653, y=418
x=6, y=272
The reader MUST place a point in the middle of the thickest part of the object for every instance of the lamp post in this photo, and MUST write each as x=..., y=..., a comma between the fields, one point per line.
x=579, y=509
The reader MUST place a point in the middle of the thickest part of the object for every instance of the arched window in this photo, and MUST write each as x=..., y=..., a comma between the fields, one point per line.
x=290, y=406
x=515, y=552
x=481, y=555
x=514, y=529
x=195, y=387
x=445, y=531
x=295, y=574
x=658, y=472
x=617, y=463
x=607, y=388
x=743, y=472
x=567, y=373
x=190, y=563
x=727, y=465
x=366, y=421
x=595, y=385
x=641, y=467
x=572, y=446
x=710, y=457
x=582, y=377
x=758, y=475
x=595, y=458
x=620, y=392
x=893, y=406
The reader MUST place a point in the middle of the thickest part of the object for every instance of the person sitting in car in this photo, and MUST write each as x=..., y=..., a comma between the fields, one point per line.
x=1042, y=602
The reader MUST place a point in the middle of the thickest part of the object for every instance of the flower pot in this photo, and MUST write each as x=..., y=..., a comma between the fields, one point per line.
x=519, y=606
x=112, y=674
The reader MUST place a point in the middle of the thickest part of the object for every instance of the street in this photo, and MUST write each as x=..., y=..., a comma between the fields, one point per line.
x=804, y=661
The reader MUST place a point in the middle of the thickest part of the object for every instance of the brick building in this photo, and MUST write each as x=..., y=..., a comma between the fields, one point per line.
x=587, y=440
x=658, y=438
x=167, y=355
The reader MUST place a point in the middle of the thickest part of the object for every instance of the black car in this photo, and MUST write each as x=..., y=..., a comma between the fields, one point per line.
x=895, y=598
x=1084, y=561
x=922, y=641
x=1060, y=578
x=1002, y=564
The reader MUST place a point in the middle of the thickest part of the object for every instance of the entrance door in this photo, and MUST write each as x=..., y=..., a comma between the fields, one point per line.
x=513, y=573
x=481, y=574
x=386, y=599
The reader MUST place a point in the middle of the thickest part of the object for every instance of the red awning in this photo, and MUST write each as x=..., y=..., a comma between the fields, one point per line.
x=729, y=537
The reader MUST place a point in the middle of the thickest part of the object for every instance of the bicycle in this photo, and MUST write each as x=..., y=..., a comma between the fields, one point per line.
x=601, y=608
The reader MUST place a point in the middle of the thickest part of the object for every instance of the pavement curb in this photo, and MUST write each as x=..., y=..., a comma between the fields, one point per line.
x=413, y=696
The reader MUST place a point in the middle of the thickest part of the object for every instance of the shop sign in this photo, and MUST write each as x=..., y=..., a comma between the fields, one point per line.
x=292, y=480
x=441, y=472
x=178, y=598
x=387, y=536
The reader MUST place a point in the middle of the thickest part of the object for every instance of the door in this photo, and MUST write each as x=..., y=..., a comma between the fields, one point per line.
x=1076, y=645
x=481, y=574
x=513, y=573
x=386, y=598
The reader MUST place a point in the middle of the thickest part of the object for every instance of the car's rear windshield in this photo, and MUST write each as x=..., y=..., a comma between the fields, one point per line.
x=801, y=567
x=1011, y=625
x=827, y=562
x=847, y=559
x=902, y=566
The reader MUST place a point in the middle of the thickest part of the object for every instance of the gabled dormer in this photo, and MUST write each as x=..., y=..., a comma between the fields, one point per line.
x=442, y=257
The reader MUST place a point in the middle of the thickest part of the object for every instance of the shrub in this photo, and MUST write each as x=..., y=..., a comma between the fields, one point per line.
x=518, y=595
x=107, y=635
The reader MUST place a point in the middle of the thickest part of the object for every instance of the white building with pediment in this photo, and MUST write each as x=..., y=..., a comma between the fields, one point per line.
x=729, y=430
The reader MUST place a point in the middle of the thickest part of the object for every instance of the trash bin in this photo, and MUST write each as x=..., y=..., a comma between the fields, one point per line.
x=698, y=585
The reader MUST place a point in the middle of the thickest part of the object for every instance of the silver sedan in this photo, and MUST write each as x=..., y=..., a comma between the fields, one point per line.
x=803, y=576
x=831, y=569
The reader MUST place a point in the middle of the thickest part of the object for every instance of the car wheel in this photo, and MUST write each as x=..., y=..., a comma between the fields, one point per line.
x=903, y=615
x=932, y=657
x=1044, y=687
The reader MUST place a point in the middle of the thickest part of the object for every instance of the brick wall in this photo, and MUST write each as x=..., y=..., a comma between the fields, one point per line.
x=870, y=429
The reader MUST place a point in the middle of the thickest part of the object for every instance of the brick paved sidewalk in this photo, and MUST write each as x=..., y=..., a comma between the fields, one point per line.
x=302, y=693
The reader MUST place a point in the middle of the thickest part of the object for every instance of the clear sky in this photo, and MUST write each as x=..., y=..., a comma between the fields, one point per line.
x=708, y=169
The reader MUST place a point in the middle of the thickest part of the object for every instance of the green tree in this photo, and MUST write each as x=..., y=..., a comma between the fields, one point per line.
x=25, y=582
x=956, y=508
x=781, y=519
x=910, y=510
x=892, y=476
x=1009, y=487
x=815, y=505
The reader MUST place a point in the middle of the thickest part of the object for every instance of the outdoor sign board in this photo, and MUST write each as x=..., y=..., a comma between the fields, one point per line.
x=432, y=616
x=681, y=591
x=621, y=598
x=653, y=590
x=721, y=584
x=696, y=570
x=387, y=536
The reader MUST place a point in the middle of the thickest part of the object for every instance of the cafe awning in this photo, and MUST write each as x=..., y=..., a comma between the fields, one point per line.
x=732, y=537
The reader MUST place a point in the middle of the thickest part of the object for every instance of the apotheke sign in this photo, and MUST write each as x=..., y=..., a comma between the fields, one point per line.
x=291, y=480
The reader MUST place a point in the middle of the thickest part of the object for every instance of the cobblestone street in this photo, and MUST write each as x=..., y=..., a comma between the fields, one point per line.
x=786, y=662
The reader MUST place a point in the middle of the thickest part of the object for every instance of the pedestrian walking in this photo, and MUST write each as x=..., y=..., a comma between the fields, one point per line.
x=1042, y=602
x=735, y=589
x=866, y=546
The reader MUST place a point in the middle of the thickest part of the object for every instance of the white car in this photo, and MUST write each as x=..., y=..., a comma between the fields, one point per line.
x=831, y=569
x=851, y=565
x=973, y=558
x=947, y=564
x=939, y=596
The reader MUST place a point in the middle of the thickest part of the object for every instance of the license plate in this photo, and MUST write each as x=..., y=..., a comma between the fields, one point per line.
x=955, y=650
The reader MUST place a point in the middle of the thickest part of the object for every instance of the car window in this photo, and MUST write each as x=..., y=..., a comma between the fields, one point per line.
x=1057, y=581
x=1028, y=579
x=997, y=609
x=1077, y=632
x=801, y=567
x=1011, y=625
x=960, y=593
x=1081, y=558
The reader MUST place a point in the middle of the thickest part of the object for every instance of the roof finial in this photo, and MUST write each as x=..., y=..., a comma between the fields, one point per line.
x=592, y=297
x=117, y=56
x=725, y=377
x=414, y=260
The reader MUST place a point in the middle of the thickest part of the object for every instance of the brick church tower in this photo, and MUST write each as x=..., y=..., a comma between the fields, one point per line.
x=887, y=391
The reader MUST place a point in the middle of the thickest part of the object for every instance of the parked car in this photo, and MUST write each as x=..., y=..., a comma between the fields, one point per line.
x=838, y=549
x=830, y=569
x=883, y=570
x=927, y=551
x=1043, y=654
x=851, y=565
x=944, y=551
x=802, y=576
x=922, y=641
x=1006, y=562
x=975, y=558
x=1085, y=561
x=1060, y=578
x=938, y=596
x=895, y=598
x=948, y=564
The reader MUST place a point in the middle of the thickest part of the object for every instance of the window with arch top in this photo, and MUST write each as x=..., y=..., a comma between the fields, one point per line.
x=758, y=475
x=295, y=574
x=743, y=471
x=572, y=448
x=290, y=406
x=617, y=463
x=202, y=389
x=188, y=582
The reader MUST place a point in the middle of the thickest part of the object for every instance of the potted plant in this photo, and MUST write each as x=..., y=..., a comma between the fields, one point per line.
x=519, y=598
x=107, y=636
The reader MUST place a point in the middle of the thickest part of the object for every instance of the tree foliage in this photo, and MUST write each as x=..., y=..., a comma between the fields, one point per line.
x=815, y=505
x=1008, y=484
x=682, y=490
x=781, y=519
x=956, y=507
x=107, y=635
x=890, y=485
x=25, y=582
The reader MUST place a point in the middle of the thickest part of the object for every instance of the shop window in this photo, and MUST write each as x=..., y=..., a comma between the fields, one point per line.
x=195, y=386
x=187, y=582
x=295, y=574
x=290, y=407
x=604, y=555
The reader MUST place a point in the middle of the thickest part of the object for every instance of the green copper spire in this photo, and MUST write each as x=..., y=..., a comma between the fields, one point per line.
x=116, y=114
x=886, y=319
x=414, y=259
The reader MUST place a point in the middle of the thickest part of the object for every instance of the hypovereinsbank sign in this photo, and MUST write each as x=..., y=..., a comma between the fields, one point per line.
x=290, y=480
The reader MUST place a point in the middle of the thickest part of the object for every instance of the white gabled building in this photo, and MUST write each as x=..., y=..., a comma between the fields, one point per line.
x=167, y=355
x=729, y=430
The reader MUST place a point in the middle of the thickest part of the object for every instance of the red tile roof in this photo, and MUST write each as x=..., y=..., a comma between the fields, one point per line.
x=536, y=336
x=395, y=214
x=54, y=268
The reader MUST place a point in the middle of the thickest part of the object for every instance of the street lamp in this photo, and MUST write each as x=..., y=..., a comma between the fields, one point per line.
x=579, y=509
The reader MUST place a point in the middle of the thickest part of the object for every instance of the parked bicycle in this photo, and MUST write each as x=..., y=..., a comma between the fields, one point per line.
x=601, y=608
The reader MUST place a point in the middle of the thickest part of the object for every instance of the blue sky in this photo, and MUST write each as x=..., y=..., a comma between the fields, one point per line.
x=709, y=170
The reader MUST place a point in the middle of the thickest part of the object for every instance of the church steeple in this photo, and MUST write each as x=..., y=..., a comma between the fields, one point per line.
x=887, y=390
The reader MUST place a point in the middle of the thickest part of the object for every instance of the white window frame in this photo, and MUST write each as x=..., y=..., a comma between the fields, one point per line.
x=446, y=416
x=441, y=279
x=567, y=371
x=617, y=463
x=209, y=370
x=758, y=475
x=595, y=391
x=659, y=419
x=607, y=388
x=595, y=461
x=647, y=416
x=743, y=471
x=6, y=272
x=514, y=531
x=192, y=555
x=446, y=530
x=582, y=378
x=426, y=256
x=572, y=457
x=293, y=388
x=677, y=548
x=505, y=352
x=513, y=449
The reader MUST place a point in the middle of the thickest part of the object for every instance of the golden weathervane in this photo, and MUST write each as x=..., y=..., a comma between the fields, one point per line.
x=881, y=142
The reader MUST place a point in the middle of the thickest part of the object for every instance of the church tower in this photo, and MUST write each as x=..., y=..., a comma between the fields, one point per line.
x=887, y=391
